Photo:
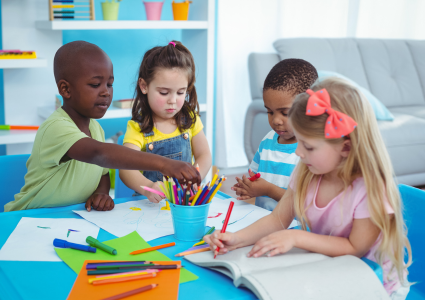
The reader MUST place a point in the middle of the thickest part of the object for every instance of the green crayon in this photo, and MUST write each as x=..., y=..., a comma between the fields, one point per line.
x=95, y=243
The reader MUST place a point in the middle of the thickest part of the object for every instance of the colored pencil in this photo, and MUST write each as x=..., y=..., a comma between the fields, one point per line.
x=152, y=190
x=153, y=248
x=197, y=168
x=122, y=266
x=176, y=196
x=122, y=270
x=173, y=198
x=123, y=279
x=18, y=127
x=162, y=189
x=119, y=275
x=226, y=221
x=216, y=190
x=198, y=201
x=201, y=201
x=205, y=201
x=132, y=292
x=254, y=177
x=215, y=177
x=197, y=247
x=197, y=196
x=192, y=252
x=202, y=240
x=94, y=265
x=126, y=273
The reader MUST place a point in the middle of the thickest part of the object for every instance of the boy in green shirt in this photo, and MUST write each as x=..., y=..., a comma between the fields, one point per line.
x=69, y=161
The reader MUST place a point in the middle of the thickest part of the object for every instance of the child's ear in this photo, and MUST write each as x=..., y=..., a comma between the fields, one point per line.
x=346, y=147
x=63, y=88
x=143, y=86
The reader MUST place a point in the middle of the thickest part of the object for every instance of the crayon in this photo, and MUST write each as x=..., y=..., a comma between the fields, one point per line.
x=153, y=248
x=132, y=292
x=226, y=221
x=95, y=243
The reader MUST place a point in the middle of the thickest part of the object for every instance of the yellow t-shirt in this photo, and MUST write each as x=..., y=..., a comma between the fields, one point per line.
x=54, y=179
x=135, y=137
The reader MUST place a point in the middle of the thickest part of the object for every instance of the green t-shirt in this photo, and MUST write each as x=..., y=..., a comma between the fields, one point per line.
x=54, y=179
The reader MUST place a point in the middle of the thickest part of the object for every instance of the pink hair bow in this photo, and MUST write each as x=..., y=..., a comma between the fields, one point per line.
x=338, y=124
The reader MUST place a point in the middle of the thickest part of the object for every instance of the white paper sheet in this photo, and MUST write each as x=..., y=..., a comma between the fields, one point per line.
x=243, y=214
x=151, y=221
x=30, y=242
x=145, y=217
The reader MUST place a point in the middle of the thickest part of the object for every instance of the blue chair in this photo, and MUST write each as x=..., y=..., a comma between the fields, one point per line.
x=121, y=190
x=414, y=210
x=12, y=172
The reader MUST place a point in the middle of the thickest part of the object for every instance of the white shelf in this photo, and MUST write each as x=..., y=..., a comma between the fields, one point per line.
x=17, y=136
x=93, y=25
x=23, y=63
x=111, y=113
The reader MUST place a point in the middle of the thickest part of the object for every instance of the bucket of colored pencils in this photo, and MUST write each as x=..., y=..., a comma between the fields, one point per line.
x=189, y=221
x=189, y=206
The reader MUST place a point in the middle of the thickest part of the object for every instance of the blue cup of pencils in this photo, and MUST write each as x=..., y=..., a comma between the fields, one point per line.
x=189, y=221
x=189, y=205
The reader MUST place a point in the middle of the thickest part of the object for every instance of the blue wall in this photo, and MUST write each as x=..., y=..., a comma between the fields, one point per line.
x=126, y=49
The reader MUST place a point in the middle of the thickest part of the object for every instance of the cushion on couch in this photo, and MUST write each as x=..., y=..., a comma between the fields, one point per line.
x=381, y=112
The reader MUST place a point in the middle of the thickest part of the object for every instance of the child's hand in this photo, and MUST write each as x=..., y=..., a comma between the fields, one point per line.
x=247, y=189
x=226, y=241
x=182, y=171
x=100, y=201
x=277, y=243
x=152, y=197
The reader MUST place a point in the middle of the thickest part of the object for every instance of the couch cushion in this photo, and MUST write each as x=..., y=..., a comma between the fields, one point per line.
x=405, y=140
x=417, y=111
x=391, y=72
x=259, y=66
x=338, y=55
x=417, y=50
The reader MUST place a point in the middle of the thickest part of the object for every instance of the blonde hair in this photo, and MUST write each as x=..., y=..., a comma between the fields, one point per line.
x=368, y=158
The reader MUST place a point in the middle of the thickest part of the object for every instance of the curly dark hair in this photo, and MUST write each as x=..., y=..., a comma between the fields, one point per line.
x=166, y=57
x=292, y=75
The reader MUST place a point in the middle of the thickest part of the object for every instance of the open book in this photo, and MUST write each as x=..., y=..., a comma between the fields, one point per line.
x=298, y=274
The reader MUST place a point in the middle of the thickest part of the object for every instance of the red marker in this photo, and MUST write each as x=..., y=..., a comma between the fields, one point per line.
x=255, y=177
x=226, y=220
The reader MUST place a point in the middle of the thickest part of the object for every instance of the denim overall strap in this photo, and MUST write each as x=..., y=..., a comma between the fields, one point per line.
x=177, y=148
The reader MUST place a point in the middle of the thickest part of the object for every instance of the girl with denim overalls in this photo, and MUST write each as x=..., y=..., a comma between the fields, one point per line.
x=165, y=116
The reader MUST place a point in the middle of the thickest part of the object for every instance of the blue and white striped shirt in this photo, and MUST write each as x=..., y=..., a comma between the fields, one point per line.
x=275, y=162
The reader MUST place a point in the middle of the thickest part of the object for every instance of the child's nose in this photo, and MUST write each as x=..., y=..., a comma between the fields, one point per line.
x=105, y=92
x=172, y=99
x=277, y=120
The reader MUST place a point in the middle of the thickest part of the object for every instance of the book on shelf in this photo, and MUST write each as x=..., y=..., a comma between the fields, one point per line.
x=297, y=274
x=124, y=103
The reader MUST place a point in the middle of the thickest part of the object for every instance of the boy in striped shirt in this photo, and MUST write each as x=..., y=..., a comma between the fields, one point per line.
x=275, y=158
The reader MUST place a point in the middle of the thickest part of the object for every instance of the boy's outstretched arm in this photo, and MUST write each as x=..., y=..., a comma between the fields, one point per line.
x=247, y=189
x=100, y=199
x=118, y=157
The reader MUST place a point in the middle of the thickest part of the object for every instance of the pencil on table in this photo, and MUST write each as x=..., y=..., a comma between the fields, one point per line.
x=123, y=279
x=192, y=252
x=132, y=292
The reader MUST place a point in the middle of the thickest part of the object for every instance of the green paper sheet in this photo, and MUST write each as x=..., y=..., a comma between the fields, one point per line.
x=124, y=245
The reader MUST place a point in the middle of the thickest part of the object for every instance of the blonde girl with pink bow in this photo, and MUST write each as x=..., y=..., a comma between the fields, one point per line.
x=342, y=192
